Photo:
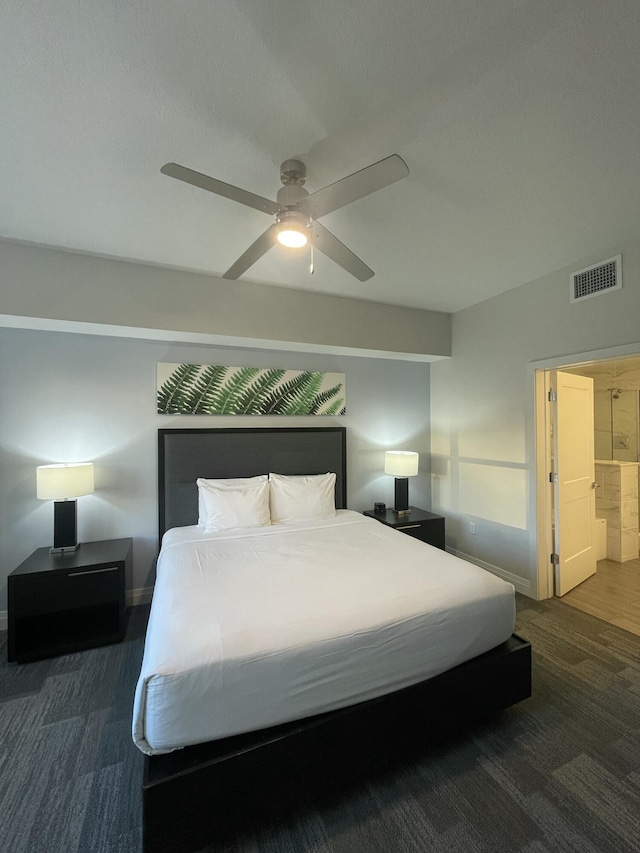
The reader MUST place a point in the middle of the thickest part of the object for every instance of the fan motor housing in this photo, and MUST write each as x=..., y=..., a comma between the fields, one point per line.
x=293, y=171
x=291, y=195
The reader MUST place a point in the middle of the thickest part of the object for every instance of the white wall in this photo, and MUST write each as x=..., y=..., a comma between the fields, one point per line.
x=482, y=405
x=75, y=397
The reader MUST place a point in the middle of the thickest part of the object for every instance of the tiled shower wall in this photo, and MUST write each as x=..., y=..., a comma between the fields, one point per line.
x=617, y=501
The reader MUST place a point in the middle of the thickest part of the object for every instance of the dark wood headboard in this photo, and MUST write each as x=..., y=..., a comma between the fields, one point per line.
x=186, y=454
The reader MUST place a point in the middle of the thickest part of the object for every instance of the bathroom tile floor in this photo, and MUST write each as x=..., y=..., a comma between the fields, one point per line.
x=612, y=594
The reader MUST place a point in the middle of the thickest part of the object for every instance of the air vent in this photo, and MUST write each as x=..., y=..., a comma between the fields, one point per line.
x=597, y=279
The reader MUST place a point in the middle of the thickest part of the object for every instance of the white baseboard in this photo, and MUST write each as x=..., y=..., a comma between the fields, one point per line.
x=139, y=596
x=520, y=584
x=134, y=597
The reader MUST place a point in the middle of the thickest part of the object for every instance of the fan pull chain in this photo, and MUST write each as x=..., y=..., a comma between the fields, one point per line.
x=311, y=266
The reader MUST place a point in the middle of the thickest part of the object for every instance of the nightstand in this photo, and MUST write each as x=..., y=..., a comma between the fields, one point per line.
x=423, y=525
x=61, y=603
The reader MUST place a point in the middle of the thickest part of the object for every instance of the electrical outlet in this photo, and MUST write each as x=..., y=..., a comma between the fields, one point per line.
x=472, y=527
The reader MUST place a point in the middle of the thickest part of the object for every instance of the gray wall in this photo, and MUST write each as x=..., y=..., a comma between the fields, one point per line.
x=76, y=397
x=482, y=404
x=53, y=285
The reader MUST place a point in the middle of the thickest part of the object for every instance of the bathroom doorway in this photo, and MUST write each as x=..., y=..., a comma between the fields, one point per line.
x=613, y=592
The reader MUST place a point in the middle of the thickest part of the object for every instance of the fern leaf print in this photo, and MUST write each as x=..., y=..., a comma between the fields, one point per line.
x=233, y=388
x=175, y=389
x=214, y=389
x=206, y=389
x=252, y=399
x=322, y=399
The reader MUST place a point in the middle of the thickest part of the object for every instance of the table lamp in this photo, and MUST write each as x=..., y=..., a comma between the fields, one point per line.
x=63, y=484
x=402, y=464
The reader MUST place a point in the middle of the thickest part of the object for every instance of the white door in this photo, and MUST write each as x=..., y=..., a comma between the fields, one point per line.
x=574, y=493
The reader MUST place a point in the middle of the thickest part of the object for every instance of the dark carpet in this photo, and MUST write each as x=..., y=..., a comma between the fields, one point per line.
x=559, y=772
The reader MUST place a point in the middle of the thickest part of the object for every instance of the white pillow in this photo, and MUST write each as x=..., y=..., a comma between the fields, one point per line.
x=229, y=507
x=301, y=497
x=233, y=482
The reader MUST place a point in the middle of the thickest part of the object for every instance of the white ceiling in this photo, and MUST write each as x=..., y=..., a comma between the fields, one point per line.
x=519, y=121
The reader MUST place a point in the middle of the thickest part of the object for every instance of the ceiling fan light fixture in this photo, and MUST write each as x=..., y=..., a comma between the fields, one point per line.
x=293, y=229
x=297, y=211
x=292, y=238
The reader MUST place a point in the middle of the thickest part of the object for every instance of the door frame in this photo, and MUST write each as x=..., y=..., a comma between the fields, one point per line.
x=544, y=490
x=541, y=494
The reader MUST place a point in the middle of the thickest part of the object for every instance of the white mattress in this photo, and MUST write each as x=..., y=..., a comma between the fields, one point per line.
x=250, y=629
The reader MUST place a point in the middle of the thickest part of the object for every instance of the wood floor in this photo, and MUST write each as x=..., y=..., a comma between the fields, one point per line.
x=612, y=594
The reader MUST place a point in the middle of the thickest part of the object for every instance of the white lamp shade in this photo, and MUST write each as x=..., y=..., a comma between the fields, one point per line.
x=401, y=463
x=57, y=482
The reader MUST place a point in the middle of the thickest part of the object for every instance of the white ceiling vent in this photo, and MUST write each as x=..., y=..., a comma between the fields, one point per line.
x=596, y=279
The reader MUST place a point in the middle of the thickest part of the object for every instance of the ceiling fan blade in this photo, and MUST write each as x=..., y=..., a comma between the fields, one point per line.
x=355, y=186
x=212, y=185
x=330, y=246
x=255, y=251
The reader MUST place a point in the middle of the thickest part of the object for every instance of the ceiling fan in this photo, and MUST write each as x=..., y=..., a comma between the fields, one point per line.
x=296, y=211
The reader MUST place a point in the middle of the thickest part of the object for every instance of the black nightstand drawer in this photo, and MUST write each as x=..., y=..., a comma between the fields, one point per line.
x=60, y=603
x=425, y=526
x=416, y=530
x=67, y=591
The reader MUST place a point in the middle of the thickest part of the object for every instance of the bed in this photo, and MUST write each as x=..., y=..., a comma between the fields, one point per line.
x=274, y=652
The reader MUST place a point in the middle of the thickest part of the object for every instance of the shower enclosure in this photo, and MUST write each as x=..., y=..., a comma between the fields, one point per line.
x=617, y=438
x=617, y=422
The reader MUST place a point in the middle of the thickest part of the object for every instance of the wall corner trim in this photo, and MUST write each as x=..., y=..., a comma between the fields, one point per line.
x=519, y=583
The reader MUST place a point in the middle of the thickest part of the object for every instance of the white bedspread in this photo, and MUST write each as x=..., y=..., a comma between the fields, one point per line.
x=250, y=629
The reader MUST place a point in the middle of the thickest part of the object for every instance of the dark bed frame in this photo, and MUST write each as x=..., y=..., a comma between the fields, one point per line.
x=214, y=791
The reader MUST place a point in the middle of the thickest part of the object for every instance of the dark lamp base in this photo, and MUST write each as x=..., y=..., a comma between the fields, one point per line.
x=65, y=533
x=66, y=550
x=402, y=495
